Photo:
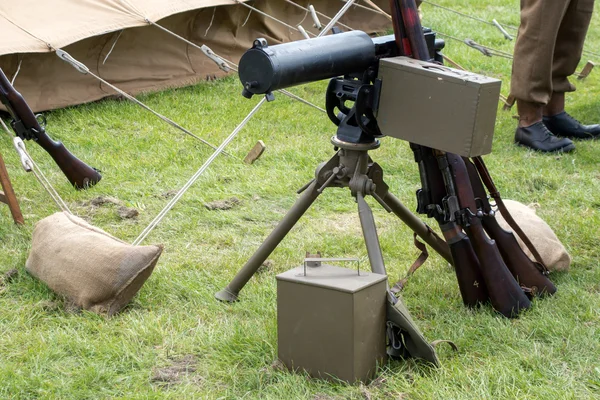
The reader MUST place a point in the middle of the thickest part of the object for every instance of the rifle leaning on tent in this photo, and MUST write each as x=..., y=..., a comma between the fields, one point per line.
x=26, y=126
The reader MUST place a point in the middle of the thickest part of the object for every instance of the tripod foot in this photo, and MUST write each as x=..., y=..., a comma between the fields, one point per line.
x=226, y=296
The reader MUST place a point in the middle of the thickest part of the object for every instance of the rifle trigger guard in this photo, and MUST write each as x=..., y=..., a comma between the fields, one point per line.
x=41, y=119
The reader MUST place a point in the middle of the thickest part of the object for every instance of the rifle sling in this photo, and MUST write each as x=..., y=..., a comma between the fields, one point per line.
x=418, y=262
x=495, y=194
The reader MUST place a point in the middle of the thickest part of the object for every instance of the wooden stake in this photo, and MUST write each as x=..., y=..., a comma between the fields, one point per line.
x=256, y=152
x=8, y=196
x=453, y=63
x=376, y=7
x=585, y=72
x=510, y=102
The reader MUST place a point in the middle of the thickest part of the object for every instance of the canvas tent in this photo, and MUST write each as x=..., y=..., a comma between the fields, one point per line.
x=116, y=40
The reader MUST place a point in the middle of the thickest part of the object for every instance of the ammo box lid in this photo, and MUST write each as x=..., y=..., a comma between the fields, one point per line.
x=440, y=72
x=332, y=277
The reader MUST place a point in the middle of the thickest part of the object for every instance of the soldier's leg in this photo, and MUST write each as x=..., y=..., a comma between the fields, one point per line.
x=567, y=54
x=531, y=80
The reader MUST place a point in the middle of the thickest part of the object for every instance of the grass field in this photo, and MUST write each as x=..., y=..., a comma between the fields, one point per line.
x=176, y=341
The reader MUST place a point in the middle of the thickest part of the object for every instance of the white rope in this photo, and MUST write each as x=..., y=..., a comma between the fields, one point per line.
x=269, y=16
x=211, y=21
x=16, y=73
x=247, y=18
x=63, y=55
x=318, y=13
x=37, y=172
x=113, y=46
x=30, y=165
x=193, y=179
x=232, y=65
x=335, y=19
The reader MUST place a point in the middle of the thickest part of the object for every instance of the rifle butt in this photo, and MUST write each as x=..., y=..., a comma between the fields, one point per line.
x=506, y=296
x=468, y=271
x=519, y=264
x=81, y=175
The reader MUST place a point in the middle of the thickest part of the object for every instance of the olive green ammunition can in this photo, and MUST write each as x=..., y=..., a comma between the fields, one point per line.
x=331, y=321
x=438, y=107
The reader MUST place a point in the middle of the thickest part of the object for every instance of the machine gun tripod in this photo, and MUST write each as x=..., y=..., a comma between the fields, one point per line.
x=351, y=167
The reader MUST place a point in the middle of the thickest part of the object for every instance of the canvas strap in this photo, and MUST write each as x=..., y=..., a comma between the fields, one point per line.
x=495, y=194
x=418, y=262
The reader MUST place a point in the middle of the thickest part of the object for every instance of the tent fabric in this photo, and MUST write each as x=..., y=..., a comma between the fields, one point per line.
x=142, y=57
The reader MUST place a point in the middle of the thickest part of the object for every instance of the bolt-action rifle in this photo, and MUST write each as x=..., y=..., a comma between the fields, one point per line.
x=434, y=201
x=506, y=295
x=26, y=126
x=531, y=276
x=459, y=207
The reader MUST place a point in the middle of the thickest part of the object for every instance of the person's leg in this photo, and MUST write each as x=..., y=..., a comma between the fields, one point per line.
x=531, y=80
x=567, y=54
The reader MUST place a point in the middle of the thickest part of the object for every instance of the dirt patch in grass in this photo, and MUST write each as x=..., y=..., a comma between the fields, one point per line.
x=222, y=204
x=101, y=201
x=181, y=369
x=127, y=212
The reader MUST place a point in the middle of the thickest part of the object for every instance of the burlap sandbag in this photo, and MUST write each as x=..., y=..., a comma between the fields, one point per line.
x=544, y=239
x=89, y=267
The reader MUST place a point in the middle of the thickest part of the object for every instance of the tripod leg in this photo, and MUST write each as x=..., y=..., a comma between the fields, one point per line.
x=230, y=293
x=367, y=223
x=418, y=226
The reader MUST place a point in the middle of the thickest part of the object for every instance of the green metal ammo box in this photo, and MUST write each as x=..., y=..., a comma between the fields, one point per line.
x=331, y=321
x=438, y=107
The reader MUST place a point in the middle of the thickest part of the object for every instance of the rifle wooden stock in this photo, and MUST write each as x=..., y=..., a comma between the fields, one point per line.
x=520, y=265
x=466, y=265
x=77, y=172
x=506, y=295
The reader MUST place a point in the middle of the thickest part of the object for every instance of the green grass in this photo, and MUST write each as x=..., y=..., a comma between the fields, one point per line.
x=46, y=351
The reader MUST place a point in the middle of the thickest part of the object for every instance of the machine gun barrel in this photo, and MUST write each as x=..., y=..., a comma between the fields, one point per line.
x=264, y=68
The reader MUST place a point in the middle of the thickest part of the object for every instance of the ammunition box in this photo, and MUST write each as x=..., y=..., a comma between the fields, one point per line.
x=331, y=322
x=436, y=106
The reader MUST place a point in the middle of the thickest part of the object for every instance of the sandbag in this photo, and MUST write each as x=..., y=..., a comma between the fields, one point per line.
x=89, y=267
x=544, y=239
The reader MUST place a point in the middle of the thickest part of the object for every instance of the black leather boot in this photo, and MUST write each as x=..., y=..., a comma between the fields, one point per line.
x=538, y=137
x=566, y=126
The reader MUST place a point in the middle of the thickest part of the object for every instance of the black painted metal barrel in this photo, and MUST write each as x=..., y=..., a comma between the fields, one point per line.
x=265, y=68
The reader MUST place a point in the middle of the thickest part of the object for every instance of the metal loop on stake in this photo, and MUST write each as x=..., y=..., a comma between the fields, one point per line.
x=303, y=32
x=315, y=17
x=63, y=55
x=501, y=29
x=218, y=60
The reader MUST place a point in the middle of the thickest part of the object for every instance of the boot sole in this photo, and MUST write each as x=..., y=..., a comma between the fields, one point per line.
x=565, y=149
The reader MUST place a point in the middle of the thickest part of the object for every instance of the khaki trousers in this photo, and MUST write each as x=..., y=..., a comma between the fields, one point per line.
x=548, y=48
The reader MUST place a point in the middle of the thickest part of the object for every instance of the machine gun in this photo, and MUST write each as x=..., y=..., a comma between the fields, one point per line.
x=352, y=60
x=27, y=127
